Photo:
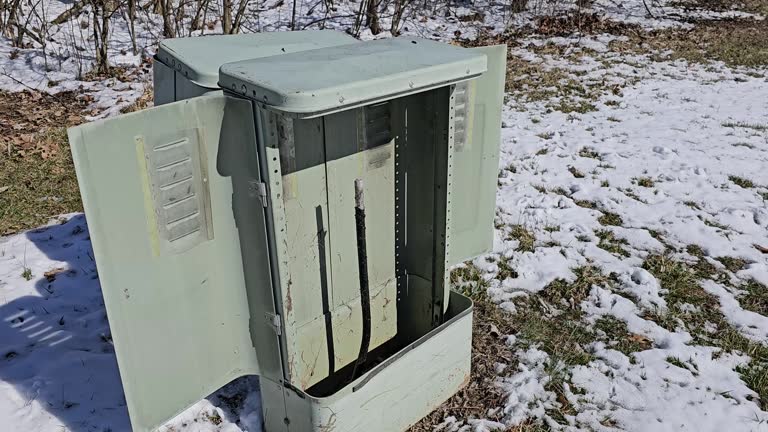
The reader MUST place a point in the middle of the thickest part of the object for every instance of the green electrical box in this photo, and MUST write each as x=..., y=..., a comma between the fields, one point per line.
x=296, y=221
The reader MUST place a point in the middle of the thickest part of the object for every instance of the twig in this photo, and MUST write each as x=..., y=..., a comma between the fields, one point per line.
x=647, y=9
x=326, y=19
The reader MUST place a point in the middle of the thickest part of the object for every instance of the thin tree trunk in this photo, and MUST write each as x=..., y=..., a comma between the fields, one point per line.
x=226, y=19
x=104, y=56
x=195, y=24
x=372, y=17
x=241, y=9
x=359, y=19
x=165, y=11
x=131, y=27
x=69, y=13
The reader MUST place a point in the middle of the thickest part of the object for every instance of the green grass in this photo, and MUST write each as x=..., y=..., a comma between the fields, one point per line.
x=733, y=264
x=589, y=152
x=755, y=297
x=505, y=270
x=678, y=279
x=676, y=362
x=610, y=219
x=618, y=337
x=692, y=204
x=563, y=337
x=755, y=376
x=682, y=282
x=610, y=243
x=37, y=188
x=571, y=294
x=645, y=182
x=738, y=42
x=526, y=239
x=714, y=224
x=27, y=273
x=742, y=182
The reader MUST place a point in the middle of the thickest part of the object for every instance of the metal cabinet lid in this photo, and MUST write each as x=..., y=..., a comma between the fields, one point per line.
x=199, y=58
x=326, y=80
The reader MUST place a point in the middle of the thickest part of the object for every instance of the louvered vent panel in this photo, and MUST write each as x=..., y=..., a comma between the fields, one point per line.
x=461, y=104
x=179, y=187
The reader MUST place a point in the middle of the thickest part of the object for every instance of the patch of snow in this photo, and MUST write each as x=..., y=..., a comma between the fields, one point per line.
x=58, y=369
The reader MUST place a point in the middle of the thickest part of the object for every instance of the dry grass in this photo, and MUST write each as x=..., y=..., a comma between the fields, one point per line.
x=37, y=176
x=610, y=243
x=571, y=294
x=490, y=324
x=525, y=238
x=609, y=218
x=734, y=42
x=755, y=297
x=682, y=282
x=742, y=182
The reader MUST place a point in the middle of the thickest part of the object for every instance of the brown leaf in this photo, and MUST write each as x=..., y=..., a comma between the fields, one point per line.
x=762, y=249
x=50, y=275
x=642, y=340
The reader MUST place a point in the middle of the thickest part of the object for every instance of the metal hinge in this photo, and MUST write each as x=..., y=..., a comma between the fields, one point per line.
x=274, y=321
x=259, y=189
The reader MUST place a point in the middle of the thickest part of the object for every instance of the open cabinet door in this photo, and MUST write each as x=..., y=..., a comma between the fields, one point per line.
x=167, y=251
x=476, y=159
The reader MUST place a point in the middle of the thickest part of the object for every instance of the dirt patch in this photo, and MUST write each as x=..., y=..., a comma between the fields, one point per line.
x=37, y=176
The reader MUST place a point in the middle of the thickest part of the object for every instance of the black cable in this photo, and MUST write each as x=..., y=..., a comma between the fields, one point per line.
x=362, y=263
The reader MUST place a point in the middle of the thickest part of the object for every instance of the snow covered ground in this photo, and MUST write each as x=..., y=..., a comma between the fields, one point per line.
x=665, y=156
x=655, y=176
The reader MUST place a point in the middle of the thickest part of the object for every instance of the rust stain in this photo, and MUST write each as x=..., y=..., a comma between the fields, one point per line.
x=288, y=298
x=330, y=425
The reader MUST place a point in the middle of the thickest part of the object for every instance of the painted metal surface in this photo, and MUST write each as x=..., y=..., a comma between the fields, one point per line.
x=423, y=130
x=169, y=309
x=189, y=67
x=393, y=395
x=222, y=226
x=312, y=203
x=163, y=84
x=198, y=59
x=476, y=159
x=327, y=80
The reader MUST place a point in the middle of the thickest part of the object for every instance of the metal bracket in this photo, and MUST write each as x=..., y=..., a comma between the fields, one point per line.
x=257, y=188
x=274, y=321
